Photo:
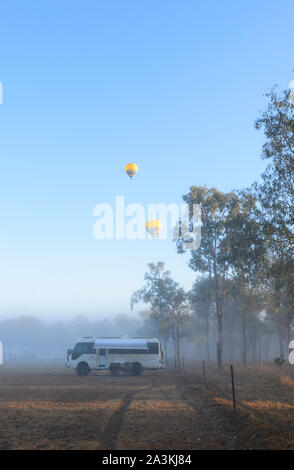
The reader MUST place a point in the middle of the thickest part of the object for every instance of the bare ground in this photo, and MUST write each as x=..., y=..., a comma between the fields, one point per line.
x=52, y=408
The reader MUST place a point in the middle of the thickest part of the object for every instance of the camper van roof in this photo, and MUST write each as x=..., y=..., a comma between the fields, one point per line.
x=121, y=343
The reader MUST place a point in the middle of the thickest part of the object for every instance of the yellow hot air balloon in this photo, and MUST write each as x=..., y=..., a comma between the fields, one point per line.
x=131, y=169
x=153, y=227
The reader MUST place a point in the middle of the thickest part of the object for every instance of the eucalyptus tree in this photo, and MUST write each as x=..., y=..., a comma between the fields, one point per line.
x=276, y=191
x=276, y=197
x=210, y=258
x=167, y=301
x=245, y=249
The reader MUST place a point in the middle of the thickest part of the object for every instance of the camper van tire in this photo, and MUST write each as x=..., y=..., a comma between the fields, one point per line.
x=114, y=369
x=83, y=369
x=137, y=369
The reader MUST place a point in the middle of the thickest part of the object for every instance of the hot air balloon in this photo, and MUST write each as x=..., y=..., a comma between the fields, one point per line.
x=131, y=169
x=153, y=227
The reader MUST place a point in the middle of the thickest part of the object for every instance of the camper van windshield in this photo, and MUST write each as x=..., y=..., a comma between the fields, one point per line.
x=84, y=348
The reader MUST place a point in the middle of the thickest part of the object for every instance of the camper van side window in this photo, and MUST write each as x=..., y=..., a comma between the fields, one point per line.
x=128, y=351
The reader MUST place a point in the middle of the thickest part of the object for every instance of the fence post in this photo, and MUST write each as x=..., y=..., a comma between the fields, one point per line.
x=233, y=388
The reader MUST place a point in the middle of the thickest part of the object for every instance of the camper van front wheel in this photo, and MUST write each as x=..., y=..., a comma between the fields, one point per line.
x=137, y=369
x=83, y=369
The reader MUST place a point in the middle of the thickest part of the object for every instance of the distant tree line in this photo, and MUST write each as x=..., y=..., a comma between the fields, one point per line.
x=55, y=338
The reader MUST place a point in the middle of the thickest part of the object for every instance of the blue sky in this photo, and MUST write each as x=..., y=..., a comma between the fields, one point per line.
x=90, y=86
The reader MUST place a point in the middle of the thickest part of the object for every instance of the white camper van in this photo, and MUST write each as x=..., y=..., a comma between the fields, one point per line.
x=115, y=354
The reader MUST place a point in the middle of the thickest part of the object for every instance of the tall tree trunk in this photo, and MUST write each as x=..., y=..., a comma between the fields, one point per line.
x=219, y=348
x=219, y=316
x=207, y=340
x=165, y=352
x=244, y=335
x=281, y=342
x=176, y=343
x=259, y=349
x=207, y=348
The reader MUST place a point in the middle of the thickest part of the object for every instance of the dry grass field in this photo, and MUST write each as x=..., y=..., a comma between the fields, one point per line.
x=52, y=408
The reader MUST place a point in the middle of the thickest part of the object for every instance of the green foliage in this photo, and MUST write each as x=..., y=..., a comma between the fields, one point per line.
x=276, y=192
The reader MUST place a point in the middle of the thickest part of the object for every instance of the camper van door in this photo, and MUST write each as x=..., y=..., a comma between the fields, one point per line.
x=102, y=360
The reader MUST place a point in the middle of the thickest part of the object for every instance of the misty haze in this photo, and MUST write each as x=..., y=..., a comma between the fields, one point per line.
x=147, y=229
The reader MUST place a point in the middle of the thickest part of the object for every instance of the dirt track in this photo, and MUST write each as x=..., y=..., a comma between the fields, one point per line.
x=55, y=409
